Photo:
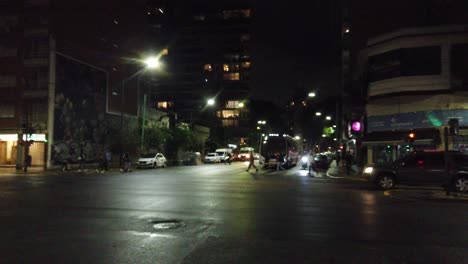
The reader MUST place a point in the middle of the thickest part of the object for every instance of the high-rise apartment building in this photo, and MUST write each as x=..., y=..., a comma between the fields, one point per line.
x=24, y=75
x=207, y=58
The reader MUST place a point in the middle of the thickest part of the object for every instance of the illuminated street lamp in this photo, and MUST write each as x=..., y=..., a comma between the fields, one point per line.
x=328, y=118
x=334, y=126
x=152, y=63
x=210, y=102
x=297, y=137
x=318, y=114
x=323, y=135
x=311, y=94
x=241, y=105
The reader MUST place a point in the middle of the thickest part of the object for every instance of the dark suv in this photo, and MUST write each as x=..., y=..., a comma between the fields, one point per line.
x=421, y=168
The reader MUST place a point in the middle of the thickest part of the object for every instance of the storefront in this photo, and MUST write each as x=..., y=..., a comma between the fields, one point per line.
x=385, y=147
x=10, y=151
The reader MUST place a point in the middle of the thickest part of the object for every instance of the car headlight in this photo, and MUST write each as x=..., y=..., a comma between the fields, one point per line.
x=247, y=156
x=368, y=170
x=305, y=159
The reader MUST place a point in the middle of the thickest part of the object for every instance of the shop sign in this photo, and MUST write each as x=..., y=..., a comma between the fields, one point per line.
x=412, y=120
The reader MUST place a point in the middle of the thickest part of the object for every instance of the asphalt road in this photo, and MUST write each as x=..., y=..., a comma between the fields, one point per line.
x=221, y=214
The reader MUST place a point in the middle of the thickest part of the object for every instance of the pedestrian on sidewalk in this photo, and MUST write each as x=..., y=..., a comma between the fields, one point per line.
x=108, y=158
x=251, y=162
x=338, y=159
x=349, y=162
x=81, y=162
x=101, y=162
x=126, y=163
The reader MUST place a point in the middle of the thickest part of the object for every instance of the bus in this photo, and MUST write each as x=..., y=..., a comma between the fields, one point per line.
x=281, y=148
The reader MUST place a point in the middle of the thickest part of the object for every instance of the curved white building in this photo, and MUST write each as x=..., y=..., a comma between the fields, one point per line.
x=417, y=79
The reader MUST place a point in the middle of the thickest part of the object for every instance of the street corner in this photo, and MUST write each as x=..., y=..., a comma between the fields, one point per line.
x=452, y=197
x=436, y=194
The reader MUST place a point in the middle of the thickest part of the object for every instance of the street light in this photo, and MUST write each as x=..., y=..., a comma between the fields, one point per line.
x=318, y=114
x=328, y=118
x=210, y=102
x=311, y=94
x=241, y=105
x=151, y=63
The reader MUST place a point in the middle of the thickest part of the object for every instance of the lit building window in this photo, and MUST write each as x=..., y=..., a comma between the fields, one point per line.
x=228, y=114
x=207, y=67
x=236, y=67
x=304, y=103
x=233, y=76
x=244, y=13
x=292, y=103
x=230, y=123
x=225, y=67
x=245, y=64
x=234, y=104
x=165, y=105
x=165, y=51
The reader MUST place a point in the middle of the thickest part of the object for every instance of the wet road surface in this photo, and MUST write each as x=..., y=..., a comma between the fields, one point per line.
x=221, y=214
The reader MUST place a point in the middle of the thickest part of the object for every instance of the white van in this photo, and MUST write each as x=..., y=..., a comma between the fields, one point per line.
x=244, y=153
x=223, y=153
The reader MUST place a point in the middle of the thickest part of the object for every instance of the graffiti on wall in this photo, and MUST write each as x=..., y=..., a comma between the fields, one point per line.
x=80, y=125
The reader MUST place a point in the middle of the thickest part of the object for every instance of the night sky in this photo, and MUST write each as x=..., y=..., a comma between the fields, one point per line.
x=295, y=44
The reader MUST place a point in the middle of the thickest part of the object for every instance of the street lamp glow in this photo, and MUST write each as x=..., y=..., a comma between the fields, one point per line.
x=318, y=114
x=312, y=94
x=210, y=101
x=258, y=128
x=335, y=139
x=334, y=126
x=323, y=135
x=297, y=137
x=152, y=63
x=241, y=105
x=328, y=117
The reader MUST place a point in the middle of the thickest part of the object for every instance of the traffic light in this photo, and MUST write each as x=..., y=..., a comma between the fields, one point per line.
x=411, y=137
x=388, y=148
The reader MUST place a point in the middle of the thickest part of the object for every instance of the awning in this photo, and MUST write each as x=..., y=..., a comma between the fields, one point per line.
x=401, y=137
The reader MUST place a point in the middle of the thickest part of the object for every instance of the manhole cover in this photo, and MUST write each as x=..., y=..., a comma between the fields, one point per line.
x=166, y=224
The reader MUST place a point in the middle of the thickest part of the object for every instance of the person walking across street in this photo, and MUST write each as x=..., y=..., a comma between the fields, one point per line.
x=251, y=162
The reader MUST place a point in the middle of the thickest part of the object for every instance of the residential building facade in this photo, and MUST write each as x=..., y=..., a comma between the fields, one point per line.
x=417, y=81
x=207, y=58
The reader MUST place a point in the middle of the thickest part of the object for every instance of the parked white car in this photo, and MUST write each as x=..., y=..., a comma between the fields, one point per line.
x=212, y=158
x=152, y=160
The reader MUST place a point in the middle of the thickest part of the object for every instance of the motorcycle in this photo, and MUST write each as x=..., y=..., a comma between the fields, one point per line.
x=304, y=162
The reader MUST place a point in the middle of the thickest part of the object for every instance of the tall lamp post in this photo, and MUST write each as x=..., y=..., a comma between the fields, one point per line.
x=260, y=122
x=151, y=63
